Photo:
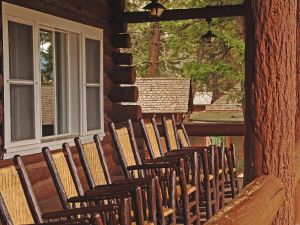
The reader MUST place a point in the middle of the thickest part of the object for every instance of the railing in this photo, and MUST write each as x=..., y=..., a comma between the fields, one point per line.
x=215, y=129
x=257, y=204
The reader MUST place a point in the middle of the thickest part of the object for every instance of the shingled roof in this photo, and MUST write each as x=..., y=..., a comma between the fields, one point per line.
x=163, y=95
x=224, y=104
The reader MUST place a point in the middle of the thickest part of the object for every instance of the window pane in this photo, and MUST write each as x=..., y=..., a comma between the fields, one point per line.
x=93, y=108
x=22, y=112
x=92, y=58
x=54, y=86
x=47, y=83
x=61, y=83
x=20, y=51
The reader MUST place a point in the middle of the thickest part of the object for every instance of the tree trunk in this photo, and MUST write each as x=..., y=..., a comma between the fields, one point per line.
x=154, y=50
x=297, y=127
x=270, y=95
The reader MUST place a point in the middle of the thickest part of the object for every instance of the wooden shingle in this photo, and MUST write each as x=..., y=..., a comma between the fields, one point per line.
x=163, y=95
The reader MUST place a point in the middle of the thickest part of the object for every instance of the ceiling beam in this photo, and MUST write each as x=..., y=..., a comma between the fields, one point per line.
x=184, y=14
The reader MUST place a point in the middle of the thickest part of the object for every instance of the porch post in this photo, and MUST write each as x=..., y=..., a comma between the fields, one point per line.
x=297, y=127
x=270, y=95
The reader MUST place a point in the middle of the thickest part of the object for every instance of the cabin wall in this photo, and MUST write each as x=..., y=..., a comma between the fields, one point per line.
x=97, y=13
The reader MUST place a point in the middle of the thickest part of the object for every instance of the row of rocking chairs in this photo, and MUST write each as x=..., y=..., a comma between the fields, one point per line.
x=184, y=184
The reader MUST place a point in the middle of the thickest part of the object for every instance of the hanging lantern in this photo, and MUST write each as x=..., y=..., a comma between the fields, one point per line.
x=156, y=9
x=209, y=36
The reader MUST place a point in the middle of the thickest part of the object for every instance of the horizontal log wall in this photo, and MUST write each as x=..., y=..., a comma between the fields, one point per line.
x=258, y=204
x=123, y=72
x=124, y=94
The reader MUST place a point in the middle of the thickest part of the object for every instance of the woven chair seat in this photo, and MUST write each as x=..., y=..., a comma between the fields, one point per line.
x=145, y=223
x=227, y=170
x=190, y=189
x=210, y=177
x=167, y=211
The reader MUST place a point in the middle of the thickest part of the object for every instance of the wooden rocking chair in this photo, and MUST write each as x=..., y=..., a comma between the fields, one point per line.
x=70, y=191
x=69, y=187
x=18, y=204
x=98, y=168
x=177, y=139
x=128, y=154
x=231, y=179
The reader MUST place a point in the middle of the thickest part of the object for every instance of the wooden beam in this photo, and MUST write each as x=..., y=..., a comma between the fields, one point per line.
x=124, y=94
x=185, y=14
x=121, y=113
x=121, y=40
x=258, y=204
x=215, y=129
x=122, y=58
x=123, y=74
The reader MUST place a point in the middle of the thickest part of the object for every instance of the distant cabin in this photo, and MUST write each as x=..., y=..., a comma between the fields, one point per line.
x=164, y=96
x=224, y=103
x=201, y=101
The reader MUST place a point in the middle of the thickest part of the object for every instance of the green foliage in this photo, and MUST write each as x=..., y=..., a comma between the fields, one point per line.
x=46, y=57
x=216, y=67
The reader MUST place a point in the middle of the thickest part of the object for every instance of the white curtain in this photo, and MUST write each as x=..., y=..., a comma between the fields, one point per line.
x=21, y=94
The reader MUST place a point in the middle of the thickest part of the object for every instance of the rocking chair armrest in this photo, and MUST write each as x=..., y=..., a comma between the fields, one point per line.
x=80, y=211
x=183, y=152
x=111, y=191
x=142, y=182
x=110, y=188
x=91, y=198
x=80, y=221
x=157, y=164
x=196, y=148
x=160, y=160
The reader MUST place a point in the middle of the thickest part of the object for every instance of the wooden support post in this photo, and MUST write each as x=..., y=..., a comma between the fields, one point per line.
x=119, y=25
x=121, y=113
x=297, y=126
x=123, y=74
x=121, y=40
x=117, y=5
x=257, y=204
x=124, y=94
x=270, y=96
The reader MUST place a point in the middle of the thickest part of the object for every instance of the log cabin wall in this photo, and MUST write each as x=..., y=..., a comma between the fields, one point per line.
x=97, y=13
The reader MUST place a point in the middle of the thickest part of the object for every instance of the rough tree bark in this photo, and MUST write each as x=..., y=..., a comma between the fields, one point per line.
x=154, y=50
x=270, y=95
x=297, y=126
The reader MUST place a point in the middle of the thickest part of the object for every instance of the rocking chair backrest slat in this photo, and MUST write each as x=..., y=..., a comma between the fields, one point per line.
x=170, y=133
x=152, y=138
x=18, y=204
x=14, y=196
x=94, y=163
x=64, y=181
x=126, y=147
x=123, y=136
x=183, y=137
x=92, y=159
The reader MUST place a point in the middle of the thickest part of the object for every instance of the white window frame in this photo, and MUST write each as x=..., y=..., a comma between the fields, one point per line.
x=39, y=21
x=84, y=114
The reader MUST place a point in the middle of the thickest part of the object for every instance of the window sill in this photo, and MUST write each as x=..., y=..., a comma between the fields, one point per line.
x=55, y=143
